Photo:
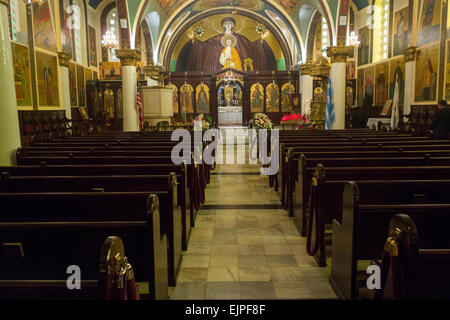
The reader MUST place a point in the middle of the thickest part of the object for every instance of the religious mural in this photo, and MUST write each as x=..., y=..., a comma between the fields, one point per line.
x=257, y=98
x=44, y=34
x=22, y=74
x=248, y=4
x=187, y=98
x=427, y=62
x=66, y=33
x=221, y=42
x=174, y=97
x=88, y=75
x=447, y=73
x=360, y=87
x=170, y=6
x=397, y=71
x=364, y=46
x=351, y=73
x=381, y=83
x=272, y=98
x=73, y=85
x=429, y=22
x=92, y=47
x=287, y=5
x=110, y=71
x=401, y=25
x=202, y=98
x=287, y=90
x=47, y=79
x=369, y=74
x=350, y=92
x=81, y=87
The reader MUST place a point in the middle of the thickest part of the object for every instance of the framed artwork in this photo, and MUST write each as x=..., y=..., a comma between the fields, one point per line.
x=427, y=62
x=92, y=47
x=110, y=71
x=73, y=85
x=397, y=70
x=381, y=83
x=360, y=87
x=386, y=108
x=22, y=74
x=296, y=102
x=44, y=34
x=84, y=113
x=272, y=98
x=202, y=98
x=351, y=74
x=187, y=98
x=81, y=85
x=256, y=98
x=47, y=79
x=364, y=46
x=174, y=97
x=429, y=22
x=401, y=34
x=287, y=90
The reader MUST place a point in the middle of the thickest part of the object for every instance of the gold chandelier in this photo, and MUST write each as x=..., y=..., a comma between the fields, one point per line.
x=109, y=40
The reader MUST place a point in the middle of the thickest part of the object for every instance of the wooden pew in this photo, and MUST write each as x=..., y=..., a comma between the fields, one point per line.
x=185, y=178
x=358, y=236
x=166, y=186
x=41, y=234
x=409, y=272
x=306, y=169
x=375, y=187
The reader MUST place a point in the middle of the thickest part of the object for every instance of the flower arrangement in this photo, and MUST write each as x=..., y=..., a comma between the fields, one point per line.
x=205, y=120
x=261, y=121
x=301, y=119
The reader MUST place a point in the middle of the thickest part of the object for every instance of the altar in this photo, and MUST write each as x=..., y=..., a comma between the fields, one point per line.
x=230, y=115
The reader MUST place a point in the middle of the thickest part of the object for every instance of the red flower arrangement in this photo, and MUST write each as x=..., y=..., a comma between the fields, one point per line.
x=295, y=118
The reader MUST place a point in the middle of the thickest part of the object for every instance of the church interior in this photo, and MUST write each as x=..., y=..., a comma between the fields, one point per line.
x=224, y=150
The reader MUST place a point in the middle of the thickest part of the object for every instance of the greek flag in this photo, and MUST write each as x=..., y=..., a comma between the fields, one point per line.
x=395, y=115
x=329, y=116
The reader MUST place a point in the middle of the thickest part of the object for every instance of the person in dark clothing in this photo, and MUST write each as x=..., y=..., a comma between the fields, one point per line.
x=440, y=124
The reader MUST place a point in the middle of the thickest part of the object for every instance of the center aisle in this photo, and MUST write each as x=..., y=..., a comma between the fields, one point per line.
x=244, y=245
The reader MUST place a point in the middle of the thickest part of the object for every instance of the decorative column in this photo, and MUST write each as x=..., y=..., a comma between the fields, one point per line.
x=128, y=61
x=338, y=72
x=9, y=119
x=410, y=60
x=63, y=59
x=306, y=86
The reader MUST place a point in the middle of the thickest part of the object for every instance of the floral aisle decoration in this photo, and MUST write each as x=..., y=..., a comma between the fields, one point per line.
x=203, y=120
x=261, y=121
x=295, y=118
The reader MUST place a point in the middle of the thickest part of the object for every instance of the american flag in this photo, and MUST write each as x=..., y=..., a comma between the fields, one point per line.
x=139, y=106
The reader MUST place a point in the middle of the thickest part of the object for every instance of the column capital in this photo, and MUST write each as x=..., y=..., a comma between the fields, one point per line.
x=5, y=2
x=128, y=57
x=63, y=59
x=339, y=53
x=306, y=68
x=410, y=54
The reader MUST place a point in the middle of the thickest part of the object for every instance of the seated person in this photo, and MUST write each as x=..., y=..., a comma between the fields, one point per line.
x=440, y=124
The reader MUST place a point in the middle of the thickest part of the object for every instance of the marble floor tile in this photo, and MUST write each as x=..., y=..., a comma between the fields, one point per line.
x=277, y=249
x=224, y=250
x=222, y=290
x=224, y=261
x=281, y=261
x=283, y=274
x=256, y=273
x=244, y=239
x=192, y=274
x=250, y=249
x=190, y=261
x=257, y=290
x=222, y=274
x=189, y=291
x=291, y=290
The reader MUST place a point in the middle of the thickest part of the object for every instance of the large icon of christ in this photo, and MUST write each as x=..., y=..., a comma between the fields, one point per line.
x=228, y=49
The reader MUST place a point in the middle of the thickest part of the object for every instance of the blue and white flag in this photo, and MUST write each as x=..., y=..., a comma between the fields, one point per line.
x=329, y=116
x=395, y=115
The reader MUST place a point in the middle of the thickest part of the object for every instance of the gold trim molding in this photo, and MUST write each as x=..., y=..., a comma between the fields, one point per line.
x=5, y=2
x=410, y=54
x=339, y=53
x=128, y=57
x=63, y=59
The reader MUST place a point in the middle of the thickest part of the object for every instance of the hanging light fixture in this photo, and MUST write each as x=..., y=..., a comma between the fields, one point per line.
x=109, y=40
x=353, y=39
